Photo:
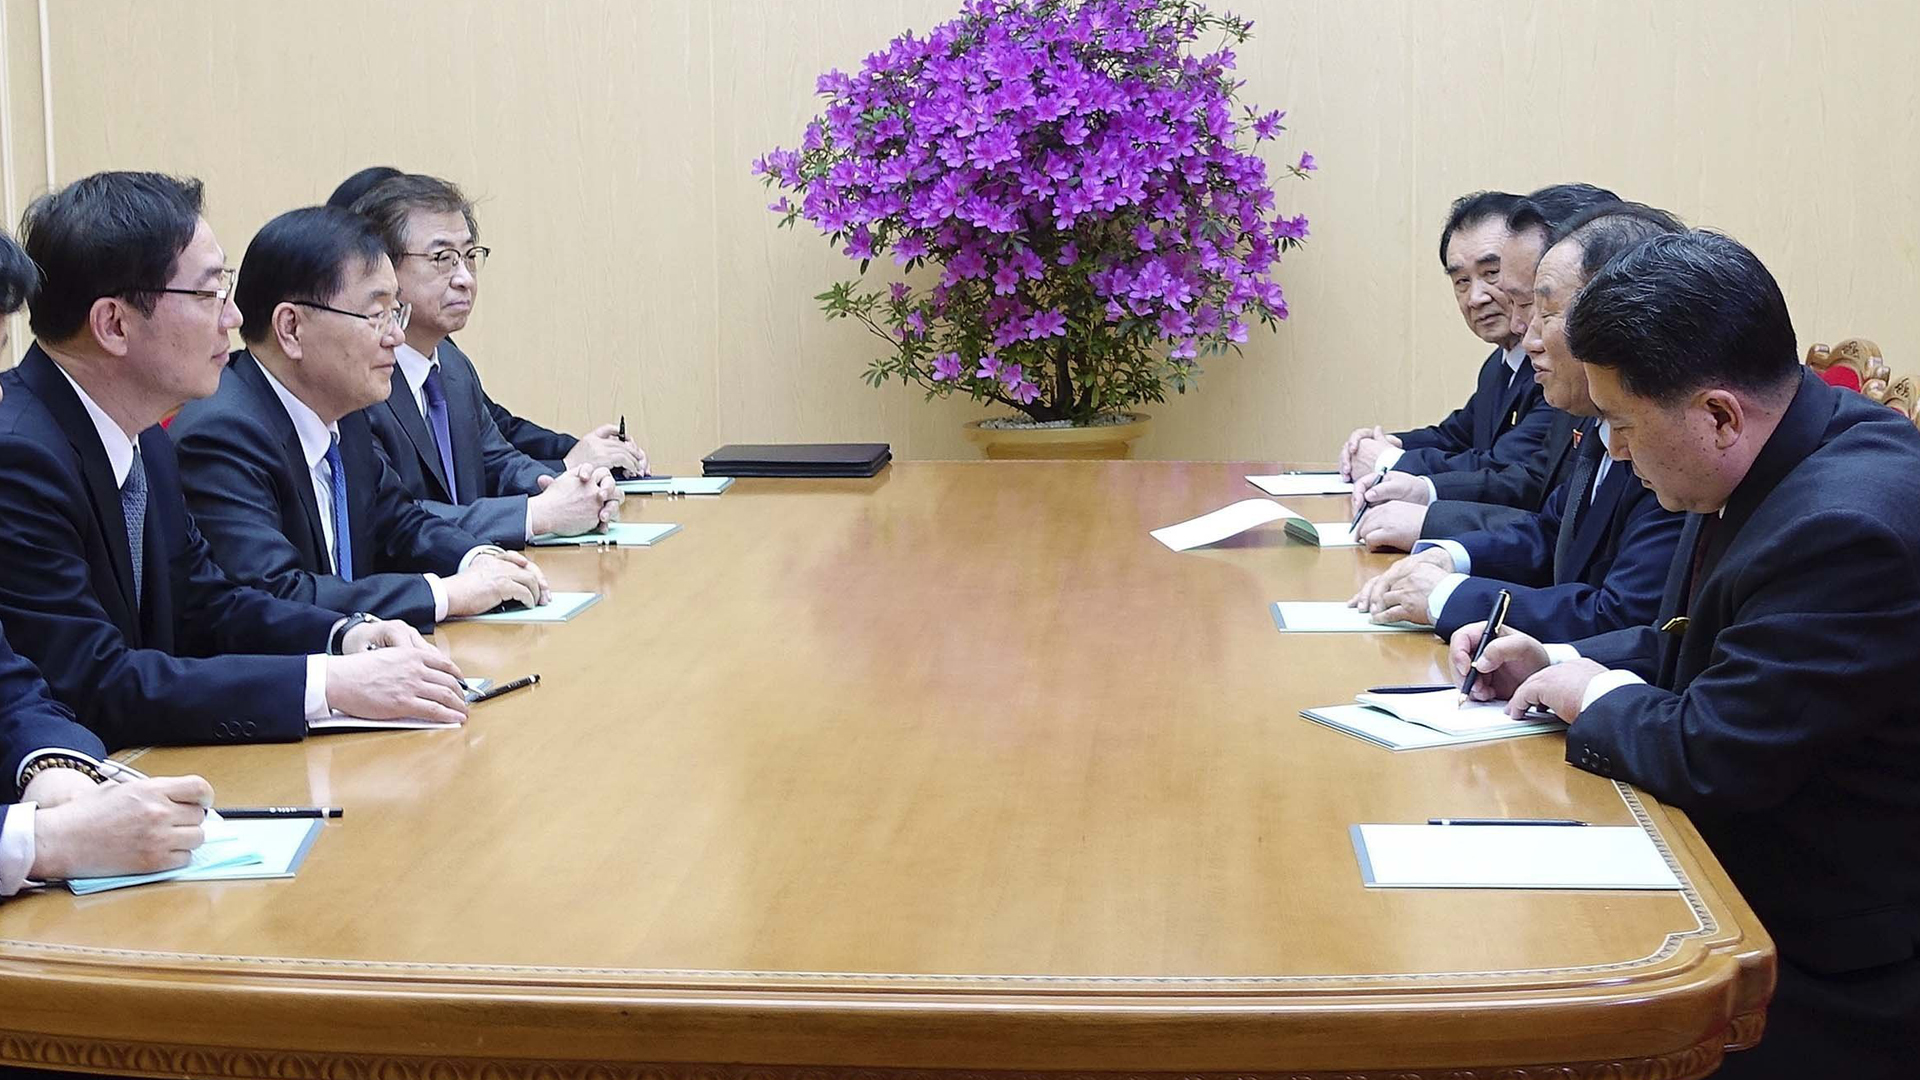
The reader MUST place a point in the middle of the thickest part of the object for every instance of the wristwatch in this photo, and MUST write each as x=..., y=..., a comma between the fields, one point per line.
x=337, y=639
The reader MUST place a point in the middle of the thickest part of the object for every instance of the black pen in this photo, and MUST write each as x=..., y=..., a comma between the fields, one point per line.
x=1358, y=516
x=492, y=692
x=1415, y=689
x=1501, y=821
x=242, y=813
x=1495, y=620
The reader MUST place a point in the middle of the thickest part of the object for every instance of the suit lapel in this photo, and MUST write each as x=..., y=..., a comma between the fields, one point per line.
x=400, y=404
x=462, y=425
x=40, y=373
x=293, y=457
x=1486, y=425
x=1517, y=391
x=1585, y=463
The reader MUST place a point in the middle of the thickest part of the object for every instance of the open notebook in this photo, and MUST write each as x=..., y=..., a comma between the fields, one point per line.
x=1322, y=533
x=1422, y=720
x=676, y=485
x=1509, y=857
x=1331, y=617
x=618, y=534
x=232, y=851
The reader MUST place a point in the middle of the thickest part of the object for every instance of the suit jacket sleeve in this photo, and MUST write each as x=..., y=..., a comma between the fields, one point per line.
x=227, y=470
x=31, y=720
x=1628, y=593
x=1518, y=446
x=1453, y=433
x=1449, y=518
x=509, y=472
x=1515, y=483
x=550, y=448
x=128, y=696
x=1821, y=645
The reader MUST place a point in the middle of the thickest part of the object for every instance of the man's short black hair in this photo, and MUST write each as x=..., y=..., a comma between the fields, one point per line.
x=389, y=203
x=1470, y=210
x=18, y=276
x=359, y=184
x=1605, y=231
x=109, y=234
x=1552, y=206
x=301, y=255
x=1683, y=311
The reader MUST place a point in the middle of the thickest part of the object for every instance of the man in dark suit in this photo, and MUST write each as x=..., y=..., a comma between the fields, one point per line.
x=434, y=426
x=280, y=466
x=1501, y=422
x=1401, y=497
x=105, y=581
x=558, y=451
x=1595, y=557
x=58, y=818
x=1773, y=698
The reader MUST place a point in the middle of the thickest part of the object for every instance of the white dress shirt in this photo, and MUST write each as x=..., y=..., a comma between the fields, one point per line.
x=1463, y=563
x=316, y=437
x=1391, y=455
x=414, y=367
x=16, y=848
x=119, y=447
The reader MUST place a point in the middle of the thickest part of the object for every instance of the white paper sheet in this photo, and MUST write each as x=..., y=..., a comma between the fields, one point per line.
x=1302, y=484
x=1217, y=526
x=1331, y=617
x=1510, y=857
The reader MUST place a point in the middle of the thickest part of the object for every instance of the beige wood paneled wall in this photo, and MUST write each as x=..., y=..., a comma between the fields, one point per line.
x=636, y=270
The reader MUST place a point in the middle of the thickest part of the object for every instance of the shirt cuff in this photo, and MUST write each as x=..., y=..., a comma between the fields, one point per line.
x=439, y=590
x=1387, y=458
x=1561, y=654
x=16, y=848
x=317, y=688
x=1462, y=562
x=1437, y=599
x=1608, y=680
x=1433, y=493
x=529, y=529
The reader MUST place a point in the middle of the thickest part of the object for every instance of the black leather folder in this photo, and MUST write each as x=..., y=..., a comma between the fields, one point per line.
x=798, y=459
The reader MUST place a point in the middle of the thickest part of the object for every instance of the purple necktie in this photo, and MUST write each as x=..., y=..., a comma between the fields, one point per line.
x=436, y=396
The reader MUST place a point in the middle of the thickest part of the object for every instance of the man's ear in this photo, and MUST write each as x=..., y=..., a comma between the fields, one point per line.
x=286, y=325
x=109, y=321
x=1728, y=415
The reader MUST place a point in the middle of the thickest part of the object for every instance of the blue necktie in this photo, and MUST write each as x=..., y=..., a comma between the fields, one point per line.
x=133, y=507
x=342, y=534
x=436, y=396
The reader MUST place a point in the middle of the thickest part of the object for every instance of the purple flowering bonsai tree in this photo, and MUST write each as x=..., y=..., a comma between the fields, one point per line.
x=1083, y=181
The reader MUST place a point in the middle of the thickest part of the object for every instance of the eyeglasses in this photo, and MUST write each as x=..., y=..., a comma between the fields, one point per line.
x=381, y=320
x=225, y=290
x=444, y=259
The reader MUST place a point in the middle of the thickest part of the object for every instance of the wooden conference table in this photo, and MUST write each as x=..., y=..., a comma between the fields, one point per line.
x=954, y=768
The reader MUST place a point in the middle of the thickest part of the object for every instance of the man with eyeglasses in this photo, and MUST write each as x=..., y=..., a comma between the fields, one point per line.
x=434, y=425
x=105, y=581
x=606, y=445
x=280, y=467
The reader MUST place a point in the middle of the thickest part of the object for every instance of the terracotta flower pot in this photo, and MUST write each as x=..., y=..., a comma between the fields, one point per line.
x=1106, y=442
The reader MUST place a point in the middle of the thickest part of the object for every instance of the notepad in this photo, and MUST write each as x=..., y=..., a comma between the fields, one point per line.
x=564, y=606
x=676, y=485
x=1385, y=729
x=1303, y=484
x=1322, y=533
x=1510, y=857
x=1442, y=711
x=1331, y=617
x=1227, y=521
x=618, y=534
x=245, y=850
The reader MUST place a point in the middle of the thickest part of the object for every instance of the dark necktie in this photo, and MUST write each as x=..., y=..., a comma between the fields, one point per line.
x=1708, y=523
x=342, y=533
x=1586, y=462
x=133, y=507
x=436, y=396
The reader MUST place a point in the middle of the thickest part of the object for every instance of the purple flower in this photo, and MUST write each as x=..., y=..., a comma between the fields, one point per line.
x=946, y=367
x=1045, y=324
x=989, y=367
x=908, y=248
x=1069, y=254
x=1268, y=126
x=899, y=291
x=1006, y=279
x=1306, y=161
x=1024, y=392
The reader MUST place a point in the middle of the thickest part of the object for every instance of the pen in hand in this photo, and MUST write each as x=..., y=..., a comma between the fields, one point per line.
x=1495, y=620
